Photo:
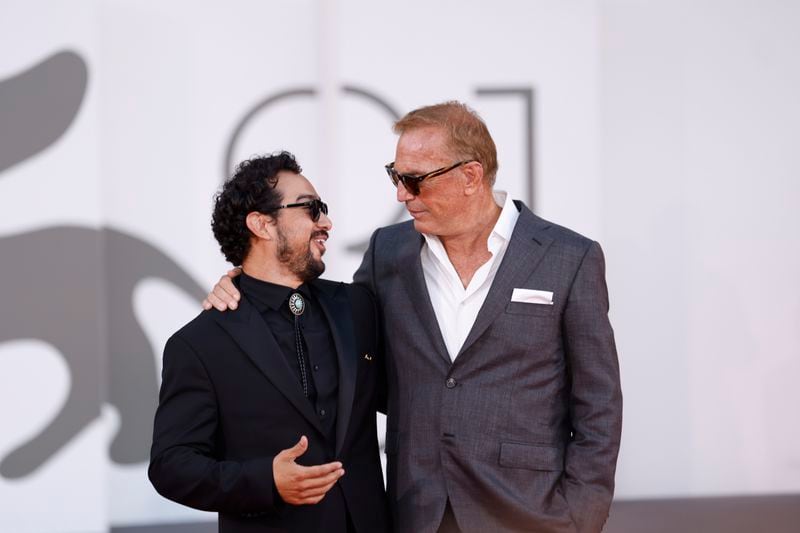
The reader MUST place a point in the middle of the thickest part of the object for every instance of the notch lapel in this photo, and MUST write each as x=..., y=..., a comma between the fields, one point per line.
x=248, y=329
x=410, y=270
x=526, y=249
x=336, y=307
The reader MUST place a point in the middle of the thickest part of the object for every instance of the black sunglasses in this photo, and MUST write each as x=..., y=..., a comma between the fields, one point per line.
x=411, y=182
x=315, y=207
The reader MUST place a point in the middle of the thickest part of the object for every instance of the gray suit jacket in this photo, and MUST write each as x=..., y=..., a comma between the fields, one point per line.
x=522, y=431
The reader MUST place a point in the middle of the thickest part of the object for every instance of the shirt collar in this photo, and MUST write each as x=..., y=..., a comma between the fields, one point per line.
x=504, y=226
x=265, y=295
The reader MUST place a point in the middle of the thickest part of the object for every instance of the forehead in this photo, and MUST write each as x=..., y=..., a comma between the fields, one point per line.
x=421, y=145
x=295, y=186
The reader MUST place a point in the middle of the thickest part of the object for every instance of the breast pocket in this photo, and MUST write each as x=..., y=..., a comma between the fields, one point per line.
x=522, y=308
x=524, y=325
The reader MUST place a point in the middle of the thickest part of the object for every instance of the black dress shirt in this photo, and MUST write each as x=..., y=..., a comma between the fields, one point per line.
x=319, y=352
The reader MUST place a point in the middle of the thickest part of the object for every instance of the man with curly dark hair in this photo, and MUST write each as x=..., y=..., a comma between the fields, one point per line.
x=267, y=415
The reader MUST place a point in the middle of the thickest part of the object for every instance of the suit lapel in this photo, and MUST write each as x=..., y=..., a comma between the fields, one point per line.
x=251, y=333
x=526, y=249
x=336, y=307
x=410, y=267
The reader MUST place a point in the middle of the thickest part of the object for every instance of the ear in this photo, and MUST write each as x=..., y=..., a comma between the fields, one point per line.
x=474, y=178
x=259, y=225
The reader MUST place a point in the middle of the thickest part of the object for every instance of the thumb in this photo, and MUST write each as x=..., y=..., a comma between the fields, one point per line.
x=298, y=449
x=232, y=273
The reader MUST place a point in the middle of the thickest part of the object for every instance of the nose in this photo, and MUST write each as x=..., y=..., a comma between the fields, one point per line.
x=325, y=222
x=402, y=193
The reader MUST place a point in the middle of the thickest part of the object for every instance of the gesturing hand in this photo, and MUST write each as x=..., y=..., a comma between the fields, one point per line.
x=303, y=485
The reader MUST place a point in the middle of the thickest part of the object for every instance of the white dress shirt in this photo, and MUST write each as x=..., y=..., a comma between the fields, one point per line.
x=457, y=307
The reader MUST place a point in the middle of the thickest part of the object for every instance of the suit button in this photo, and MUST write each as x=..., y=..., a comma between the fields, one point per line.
x=322, y=412
x=450, y=383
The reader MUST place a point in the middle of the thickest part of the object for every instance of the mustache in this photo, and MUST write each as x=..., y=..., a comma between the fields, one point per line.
x=321, y=233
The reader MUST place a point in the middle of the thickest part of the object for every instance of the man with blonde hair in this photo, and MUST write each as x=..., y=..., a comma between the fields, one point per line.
x=504, y=401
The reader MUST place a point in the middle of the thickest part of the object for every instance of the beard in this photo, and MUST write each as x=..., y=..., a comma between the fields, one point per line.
x=299, y=259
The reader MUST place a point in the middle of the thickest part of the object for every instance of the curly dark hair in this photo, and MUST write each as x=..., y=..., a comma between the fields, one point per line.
x=252, y=188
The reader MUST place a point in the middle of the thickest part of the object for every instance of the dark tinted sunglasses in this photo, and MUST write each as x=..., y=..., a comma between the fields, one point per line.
x=315, y=207
x=411, y=182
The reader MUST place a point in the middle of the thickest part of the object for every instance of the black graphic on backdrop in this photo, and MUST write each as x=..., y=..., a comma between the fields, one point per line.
x=72, y=287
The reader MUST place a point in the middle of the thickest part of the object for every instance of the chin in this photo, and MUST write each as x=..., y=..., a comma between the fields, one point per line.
x=313, y=270
x=422, y=227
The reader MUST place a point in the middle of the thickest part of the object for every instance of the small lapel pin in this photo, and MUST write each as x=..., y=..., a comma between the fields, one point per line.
x=368, y=357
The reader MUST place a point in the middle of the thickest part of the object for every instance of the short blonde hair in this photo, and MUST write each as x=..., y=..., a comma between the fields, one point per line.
x=467, y=134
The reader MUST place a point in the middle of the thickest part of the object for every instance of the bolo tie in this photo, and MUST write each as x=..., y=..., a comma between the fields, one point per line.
x=297, y=305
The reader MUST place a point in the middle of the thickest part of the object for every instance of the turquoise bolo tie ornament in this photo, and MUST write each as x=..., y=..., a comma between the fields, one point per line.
x=296, y=304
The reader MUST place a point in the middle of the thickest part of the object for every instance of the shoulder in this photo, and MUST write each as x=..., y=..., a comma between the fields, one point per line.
x=329, y=287
x=561, y=236
x=568, y=237
x=197, y=331
x=388, y=235
x=357, y=294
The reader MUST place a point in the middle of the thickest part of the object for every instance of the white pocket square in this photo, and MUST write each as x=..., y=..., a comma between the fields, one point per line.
x=532, y=296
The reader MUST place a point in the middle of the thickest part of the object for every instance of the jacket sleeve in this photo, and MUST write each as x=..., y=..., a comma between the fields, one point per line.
x=595, y=397
x=184, y=464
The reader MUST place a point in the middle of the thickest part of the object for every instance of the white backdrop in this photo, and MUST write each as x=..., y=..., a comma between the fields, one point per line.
x=665, y=130
x=701, y=183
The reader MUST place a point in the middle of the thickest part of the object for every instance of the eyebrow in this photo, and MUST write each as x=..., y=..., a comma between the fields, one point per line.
x=306, y=197
x=412, y=172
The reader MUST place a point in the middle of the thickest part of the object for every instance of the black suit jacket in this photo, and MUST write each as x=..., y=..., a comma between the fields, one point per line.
x=229, y=403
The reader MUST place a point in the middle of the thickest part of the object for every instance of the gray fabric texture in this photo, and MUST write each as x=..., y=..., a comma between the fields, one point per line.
x=522, y=431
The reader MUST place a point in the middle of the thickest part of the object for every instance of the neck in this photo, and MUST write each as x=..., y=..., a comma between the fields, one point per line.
x=256, y=265
x=484, y=214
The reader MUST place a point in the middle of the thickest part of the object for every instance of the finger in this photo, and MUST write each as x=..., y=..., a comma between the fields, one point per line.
x=226, y=284
x=232, y=273
x=218, y=304
x=317, y=496
x=316, y=483
x=290, y=454
x=206, y=304
x=317, y=471
x=224, y=296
